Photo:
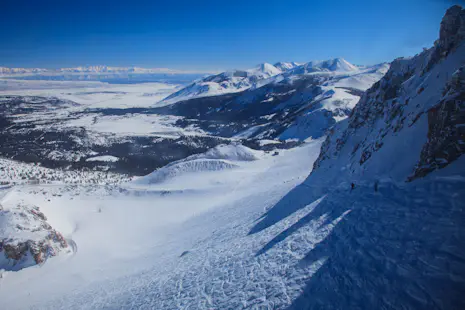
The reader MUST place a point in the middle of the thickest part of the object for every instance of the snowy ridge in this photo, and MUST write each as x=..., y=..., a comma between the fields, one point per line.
x=331, y=65
x=238, y=81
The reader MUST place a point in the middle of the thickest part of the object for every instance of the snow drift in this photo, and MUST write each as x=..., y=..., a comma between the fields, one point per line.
x=180, y=168
x=218, y=158
x=235, y=152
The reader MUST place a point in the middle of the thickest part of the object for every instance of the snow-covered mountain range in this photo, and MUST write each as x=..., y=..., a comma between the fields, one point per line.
x=237, y=80
x=6, y=72
x=284, y=66
x=224, y=83
x=299, y=103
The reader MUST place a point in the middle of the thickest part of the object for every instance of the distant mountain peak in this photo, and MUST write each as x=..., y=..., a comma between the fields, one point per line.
x=267, y=68
x=335, y=64
x=285, y=66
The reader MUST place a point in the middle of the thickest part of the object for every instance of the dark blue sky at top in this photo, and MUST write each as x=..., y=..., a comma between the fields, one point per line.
x=213, y=35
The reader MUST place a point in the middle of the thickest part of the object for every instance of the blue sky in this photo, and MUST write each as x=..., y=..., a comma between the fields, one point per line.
x=212, y=35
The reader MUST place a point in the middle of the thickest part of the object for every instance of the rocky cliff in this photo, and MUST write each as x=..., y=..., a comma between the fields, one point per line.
x=411, y=122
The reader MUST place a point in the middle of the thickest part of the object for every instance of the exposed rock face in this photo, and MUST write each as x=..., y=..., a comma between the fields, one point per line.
x=446, y=128
x=423, y=91
x=452, y=30
x=26, y=238
x=451, y=34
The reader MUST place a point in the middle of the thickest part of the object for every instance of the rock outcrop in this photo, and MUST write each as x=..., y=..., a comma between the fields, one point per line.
x=26, y=238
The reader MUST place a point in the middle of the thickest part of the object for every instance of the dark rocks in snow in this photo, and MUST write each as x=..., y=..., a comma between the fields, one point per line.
x=38, y=250
x=446, y=129
x=27, y=238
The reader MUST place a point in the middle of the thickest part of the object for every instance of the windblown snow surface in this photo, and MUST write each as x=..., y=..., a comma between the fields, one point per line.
x=250, y=236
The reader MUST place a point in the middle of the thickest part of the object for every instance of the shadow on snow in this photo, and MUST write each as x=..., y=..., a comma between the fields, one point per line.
x=400, y=247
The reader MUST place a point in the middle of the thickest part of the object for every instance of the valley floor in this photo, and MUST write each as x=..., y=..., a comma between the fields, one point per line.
x=253, y=235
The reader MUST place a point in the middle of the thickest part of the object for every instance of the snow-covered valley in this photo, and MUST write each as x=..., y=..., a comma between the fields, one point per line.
x=318, y=185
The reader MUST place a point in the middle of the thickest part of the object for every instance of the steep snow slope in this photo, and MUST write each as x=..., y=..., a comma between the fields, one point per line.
x=154, y=226
x=411, y=121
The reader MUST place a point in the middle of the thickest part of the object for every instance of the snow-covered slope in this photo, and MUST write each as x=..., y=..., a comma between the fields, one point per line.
x=411, y=121
x=161, y=230
x=250, y=237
